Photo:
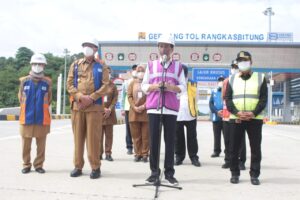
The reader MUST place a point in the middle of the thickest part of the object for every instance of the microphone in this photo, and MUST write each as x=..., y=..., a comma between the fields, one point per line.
x=164, y=60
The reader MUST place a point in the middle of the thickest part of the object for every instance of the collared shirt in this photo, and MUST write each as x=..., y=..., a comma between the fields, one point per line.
x=146, y=85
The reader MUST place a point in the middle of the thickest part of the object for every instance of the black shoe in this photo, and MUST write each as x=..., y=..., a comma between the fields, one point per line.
x=137, y=158
x=145, y=159
x=226, y=165
x=26, y=170
x=255, y=181
x=95, y=173
x=178, y=162
x=196, y=162
x=40, y=170
x=109, y=158
x=234, y=179
x=76, y=172
x=171, y=180
x=151, y=179
x=214, y=155
x=129, y=152
x=242, y=166
x=101, y=157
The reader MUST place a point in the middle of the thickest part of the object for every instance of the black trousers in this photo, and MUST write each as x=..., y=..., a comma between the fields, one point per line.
x=254, y=131
x=169, y=129
x=226, y=135
x=217, y=128
x=128, y=133
x=191, y=136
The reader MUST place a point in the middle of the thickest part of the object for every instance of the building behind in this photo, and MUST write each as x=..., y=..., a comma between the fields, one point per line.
x=280, y=61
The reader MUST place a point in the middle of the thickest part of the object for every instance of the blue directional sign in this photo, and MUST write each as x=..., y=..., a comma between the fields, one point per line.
x=209, y=74
x=278, y=36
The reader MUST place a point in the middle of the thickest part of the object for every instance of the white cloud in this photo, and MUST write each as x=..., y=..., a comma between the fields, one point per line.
x=52, y=25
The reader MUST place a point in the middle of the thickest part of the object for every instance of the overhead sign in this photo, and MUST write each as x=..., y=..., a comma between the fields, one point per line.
x=209, y=74
x=196, y=36
x=279, y=36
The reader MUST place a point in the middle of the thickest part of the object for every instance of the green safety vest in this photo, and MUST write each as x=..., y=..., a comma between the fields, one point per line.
x=245, y=93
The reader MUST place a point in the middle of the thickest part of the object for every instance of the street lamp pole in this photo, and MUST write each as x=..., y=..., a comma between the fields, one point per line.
x=65, y=72
x=269, y=12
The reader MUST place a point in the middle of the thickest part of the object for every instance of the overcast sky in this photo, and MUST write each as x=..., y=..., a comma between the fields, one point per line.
x=53, y=25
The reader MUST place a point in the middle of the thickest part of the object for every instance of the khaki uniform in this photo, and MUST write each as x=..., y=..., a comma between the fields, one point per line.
x=39, y=132
x=138, y=121
x=86, y=123
x=110, y=101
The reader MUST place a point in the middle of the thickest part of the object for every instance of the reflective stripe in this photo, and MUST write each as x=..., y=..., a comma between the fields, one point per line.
x=155, y=73
x=250, y=96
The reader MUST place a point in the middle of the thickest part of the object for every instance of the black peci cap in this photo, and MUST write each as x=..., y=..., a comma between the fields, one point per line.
x=234, y=64
x=243, y=55
x=221, y=78
x=134, y=67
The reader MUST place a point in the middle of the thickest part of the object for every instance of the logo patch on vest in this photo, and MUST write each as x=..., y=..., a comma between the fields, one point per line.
x=99, y=70
x=44, y=88
x=27, y=87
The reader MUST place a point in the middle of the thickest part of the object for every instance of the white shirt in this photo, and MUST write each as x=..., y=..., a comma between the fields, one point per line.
x=184, y=110
x=146, y=85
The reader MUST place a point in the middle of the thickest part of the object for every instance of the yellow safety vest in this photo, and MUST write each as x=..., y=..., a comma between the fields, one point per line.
x=245, y=93
x=192, y=94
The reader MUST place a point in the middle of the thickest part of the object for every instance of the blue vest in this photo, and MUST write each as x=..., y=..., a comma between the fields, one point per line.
x=97, y=74
x=216, y=97
x=35, y=103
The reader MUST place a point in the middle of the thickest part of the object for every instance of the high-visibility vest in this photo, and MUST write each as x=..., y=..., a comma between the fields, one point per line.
x=171, y=76
x=192, y=94
x=245, y=93
x=35, y=103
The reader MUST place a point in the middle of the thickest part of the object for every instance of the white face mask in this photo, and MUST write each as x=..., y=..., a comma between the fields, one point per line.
x=234, y=71
x=220, y=84
x=140, y=75
x=37, y=68
x=244, y=66
x=133, y=73
x=88, y=51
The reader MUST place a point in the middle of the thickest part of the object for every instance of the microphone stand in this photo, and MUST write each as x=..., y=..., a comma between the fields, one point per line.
x=161, y=102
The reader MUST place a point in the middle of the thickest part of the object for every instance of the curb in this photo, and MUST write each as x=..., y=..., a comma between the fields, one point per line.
x=271, y=123
x=16, y=117
x=66, y=116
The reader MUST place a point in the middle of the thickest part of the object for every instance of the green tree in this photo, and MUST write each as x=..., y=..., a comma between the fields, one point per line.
x=23, y=57
x=2, y=62
x=9, y=85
